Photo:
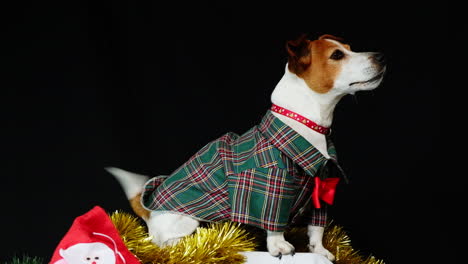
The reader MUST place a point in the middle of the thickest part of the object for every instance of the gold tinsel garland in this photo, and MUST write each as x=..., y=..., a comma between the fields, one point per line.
x=222, y=243
x=218, y=243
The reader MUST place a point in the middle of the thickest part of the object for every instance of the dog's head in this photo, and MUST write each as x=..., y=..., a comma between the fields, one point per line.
x=328, y=64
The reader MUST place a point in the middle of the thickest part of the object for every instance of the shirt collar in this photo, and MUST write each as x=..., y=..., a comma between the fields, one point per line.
x=296, y=147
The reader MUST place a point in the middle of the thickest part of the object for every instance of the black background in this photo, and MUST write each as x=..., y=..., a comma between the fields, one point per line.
x=143, y=86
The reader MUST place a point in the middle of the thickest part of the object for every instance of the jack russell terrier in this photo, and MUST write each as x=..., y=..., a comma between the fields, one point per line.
x=277, y=173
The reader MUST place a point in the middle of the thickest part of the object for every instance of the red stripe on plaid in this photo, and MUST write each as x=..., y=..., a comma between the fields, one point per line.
x=265, y=187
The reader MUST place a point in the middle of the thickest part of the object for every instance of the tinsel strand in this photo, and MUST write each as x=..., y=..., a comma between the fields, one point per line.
x=217, y=243
x=25, y=259
x=221, y=243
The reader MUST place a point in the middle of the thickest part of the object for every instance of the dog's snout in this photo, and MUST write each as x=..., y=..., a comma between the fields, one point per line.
x=379, y=58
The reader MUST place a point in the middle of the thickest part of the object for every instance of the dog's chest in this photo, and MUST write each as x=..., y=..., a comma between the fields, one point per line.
x=319, y=141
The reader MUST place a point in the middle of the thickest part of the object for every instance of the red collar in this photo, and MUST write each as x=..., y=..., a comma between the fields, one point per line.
x=305, y=121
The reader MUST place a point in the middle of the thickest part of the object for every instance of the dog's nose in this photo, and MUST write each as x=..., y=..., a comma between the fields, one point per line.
x=379, y=57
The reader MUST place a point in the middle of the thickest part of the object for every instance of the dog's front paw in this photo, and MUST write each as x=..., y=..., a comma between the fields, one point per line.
x=319, y=249
x=278, y=246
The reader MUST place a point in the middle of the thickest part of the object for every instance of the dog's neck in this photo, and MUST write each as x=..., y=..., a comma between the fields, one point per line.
x=292, y=93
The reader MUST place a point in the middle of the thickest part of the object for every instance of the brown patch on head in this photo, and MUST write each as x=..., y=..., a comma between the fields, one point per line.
x=138, y=208
x=312, y=61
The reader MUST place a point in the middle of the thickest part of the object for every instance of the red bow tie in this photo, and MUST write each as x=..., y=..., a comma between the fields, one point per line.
x=324, y=190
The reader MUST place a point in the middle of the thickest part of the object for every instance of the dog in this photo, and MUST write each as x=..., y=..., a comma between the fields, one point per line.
x=265, y=177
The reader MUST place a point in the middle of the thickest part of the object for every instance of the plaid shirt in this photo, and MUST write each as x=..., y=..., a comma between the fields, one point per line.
x=263, y=178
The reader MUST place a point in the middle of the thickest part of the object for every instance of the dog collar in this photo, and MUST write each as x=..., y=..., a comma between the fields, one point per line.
x=307, y=122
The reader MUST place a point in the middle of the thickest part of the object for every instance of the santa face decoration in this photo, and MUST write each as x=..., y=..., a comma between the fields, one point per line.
x=87, y=253
x=93, y=239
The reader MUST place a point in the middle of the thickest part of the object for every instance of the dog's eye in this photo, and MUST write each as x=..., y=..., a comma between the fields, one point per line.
x=337, y=55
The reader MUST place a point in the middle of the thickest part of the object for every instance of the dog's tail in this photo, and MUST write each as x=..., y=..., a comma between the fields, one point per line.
x=132, y=185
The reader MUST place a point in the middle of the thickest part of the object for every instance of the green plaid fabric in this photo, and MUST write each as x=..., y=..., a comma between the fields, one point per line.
x=262, y=178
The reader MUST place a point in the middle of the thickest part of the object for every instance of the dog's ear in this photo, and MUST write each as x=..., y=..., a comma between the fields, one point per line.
x=297, y=47
x=299, y=57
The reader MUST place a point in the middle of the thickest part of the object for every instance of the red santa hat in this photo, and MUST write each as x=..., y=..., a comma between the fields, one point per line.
x=93, y=239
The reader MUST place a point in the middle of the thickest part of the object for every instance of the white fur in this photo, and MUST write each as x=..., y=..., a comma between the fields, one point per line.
x=292, y=93
x=132, y=183
x=168, y=228
x=315, y=241
x=277, y=245
x=358, y=68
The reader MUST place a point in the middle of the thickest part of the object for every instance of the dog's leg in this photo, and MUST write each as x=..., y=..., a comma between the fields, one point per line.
x=315, y=241
x=277, y=245
x=168, y=228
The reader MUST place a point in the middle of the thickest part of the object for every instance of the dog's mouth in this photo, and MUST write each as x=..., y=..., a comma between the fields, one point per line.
x=373, y=79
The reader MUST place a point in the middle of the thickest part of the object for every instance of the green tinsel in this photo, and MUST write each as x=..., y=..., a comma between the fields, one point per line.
x=25, y=260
